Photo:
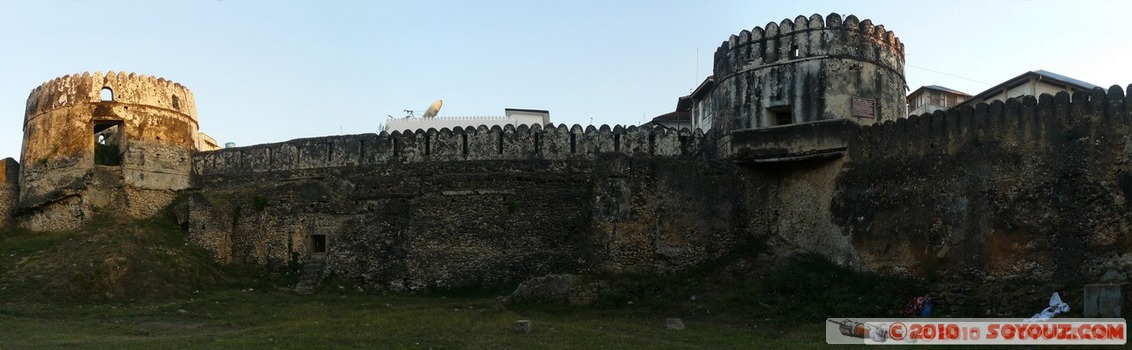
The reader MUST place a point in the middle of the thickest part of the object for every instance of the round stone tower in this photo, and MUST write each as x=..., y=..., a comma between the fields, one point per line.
x=93, y=143
x=806, y=70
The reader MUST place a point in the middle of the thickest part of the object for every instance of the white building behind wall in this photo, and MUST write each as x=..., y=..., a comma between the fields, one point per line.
x=931, y=98
x=693, y=111
x=511, y=116
x=1033, y=83
x=703, y=104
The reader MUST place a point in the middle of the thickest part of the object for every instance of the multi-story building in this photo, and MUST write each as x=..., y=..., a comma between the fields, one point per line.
x=931, y=98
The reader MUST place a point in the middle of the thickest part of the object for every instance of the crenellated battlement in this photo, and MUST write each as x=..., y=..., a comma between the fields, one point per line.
x=808, y=69
x=551, y=142
x=1098, y=116
x=808, y=38
x=137, y=130
x=128, y=88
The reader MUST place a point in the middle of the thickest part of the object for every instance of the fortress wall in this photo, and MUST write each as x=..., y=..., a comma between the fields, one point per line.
x=1028, y=188
x=472, y=206
x=508, y=143
x=487, y=218
x=1020, y=123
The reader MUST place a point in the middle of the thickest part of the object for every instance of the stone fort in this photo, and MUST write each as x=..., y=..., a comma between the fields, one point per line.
x=808, y=150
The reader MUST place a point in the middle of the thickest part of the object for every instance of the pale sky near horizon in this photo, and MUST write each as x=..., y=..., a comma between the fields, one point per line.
x=271, y=71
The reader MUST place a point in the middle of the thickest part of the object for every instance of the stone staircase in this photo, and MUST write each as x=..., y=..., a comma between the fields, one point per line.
x=311, y=276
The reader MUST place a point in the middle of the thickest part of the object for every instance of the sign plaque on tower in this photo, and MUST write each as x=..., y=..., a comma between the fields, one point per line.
x=864, y=107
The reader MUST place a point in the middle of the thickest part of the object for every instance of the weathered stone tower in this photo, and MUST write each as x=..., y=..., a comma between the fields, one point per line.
x=807, y=70
x=9, y=189
x=94, y=141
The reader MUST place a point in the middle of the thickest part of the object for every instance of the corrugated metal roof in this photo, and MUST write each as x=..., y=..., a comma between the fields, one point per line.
x=1024, y=77
x=941, y=88
x=1064, y=79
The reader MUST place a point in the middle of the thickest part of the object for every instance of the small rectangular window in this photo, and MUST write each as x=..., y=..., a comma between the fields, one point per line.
x=318, y=243
x=780, y=115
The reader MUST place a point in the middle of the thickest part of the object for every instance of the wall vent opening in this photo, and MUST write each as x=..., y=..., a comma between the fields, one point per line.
x=464, y=144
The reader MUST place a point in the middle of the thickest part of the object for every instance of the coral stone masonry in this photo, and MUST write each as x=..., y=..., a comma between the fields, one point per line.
x=808, y=152
x=118, y=142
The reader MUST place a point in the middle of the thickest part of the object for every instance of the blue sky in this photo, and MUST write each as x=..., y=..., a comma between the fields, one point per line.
x=270, y=71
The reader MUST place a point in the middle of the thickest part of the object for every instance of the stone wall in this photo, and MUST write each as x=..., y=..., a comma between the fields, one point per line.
x=1030, y=188
x=507, y=143
x=813, y=68
x=411, y=211
x=1034, y=188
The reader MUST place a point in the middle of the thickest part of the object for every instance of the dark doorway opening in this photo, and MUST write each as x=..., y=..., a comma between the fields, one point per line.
x=107, y=143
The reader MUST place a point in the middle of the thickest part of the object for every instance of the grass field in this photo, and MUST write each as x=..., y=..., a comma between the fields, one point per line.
x=274, y=319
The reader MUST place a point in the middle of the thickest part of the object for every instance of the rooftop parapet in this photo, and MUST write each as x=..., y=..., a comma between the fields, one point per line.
x=130, y=88
x=549, y=142
x=1097, y=117
x=806, y=38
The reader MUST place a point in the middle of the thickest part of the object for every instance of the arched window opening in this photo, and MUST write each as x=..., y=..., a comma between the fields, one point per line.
x=107, y=94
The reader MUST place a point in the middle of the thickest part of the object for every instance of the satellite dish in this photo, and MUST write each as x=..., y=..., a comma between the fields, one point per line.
x=433, y=109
